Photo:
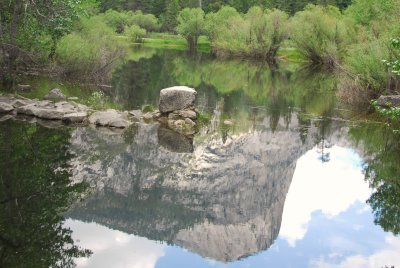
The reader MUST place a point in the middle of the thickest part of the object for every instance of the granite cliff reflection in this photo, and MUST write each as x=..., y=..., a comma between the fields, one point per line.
x=223, y=201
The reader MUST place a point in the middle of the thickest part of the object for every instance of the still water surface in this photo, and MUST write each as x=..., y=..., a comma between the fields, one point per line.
x=294, y=182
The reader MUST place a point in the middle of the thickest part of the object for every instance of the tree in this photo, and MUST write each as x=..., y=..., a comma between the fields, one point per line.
x=191, y=25
x=169, y=18
x=25, y=24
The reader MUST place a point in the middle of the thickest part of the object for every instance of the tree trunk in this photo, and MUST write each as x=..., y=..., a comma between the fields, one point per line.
x=192, y=43
x=13, y=51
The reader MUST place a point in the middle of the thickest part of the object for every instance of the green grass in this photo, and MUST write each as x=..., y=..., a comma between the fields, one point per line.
x=171, y=41
x=291, y=54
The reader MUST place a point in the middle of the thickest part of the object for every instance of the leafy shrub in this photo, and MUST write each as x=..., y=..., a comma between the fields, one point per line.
x=258, y=34
x=119, y=20
x=320, y=34
x=91, y=52
x=364, y=77
x=135, y=33
x=148, y=22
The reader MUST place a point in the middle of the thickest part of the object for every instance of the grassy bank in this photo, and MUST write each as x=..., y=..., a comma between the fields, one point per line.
x=166, y=40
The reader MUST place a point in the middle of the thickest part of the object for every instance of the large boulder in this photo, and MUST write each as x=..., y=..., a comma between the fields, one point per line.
x=176, y=98
x=389, y=101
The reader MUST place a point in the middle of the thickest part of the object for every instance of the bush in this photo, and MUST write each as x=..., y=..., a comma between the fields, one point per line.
x=365, y=77
x=91, y=52
x=320, y=34
x=135, y=33
x=258, y=34
x=146, y=21
x=116, y=20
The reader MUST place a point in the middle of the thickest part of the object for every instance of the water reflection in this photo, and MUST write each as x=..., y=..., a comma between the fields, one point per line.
x=35, y=190
x=284, y=176
x=330, y=188
x=326, y=223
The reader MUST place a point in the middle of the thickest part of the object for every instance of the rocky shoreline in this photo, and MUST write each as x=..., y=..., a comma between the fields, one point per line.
x=176, y=111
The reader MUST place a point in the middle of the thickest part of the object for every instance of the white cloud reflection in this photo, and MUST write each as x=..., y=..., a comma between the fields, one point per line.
x=113, y=248
x=388, y=256
x=330, y=187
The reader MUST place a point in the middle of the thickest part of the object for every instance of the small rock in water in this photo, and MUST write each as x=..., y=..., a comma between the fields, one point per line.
x=55, y=94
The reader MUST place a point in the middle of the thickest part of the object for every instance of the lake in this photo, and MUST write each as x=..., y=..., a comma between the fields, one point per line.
x=279, y=175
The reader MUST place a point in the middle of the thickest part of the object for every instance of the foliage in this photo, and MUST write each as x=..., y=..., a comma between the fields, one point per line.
x=217, y=22
x=394, y=65
x=97, y=100
x=135, y=33
x=90, y=52
x=365, y=77
x=392, y=114
x=146, y=21
x=169, y=18
x=258, y=34
x=320, y=34
x=25, y=26
x=191, y=25
x=119, y=20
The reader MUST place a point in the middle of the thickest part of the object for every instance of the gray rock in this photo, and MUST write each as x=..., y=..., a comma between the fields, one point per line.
x=27, y=109
x=136, y=113
x=5, y=107
x=173, y=116
x=75, y=117
x=51, y=114
x=188, y=114
x=110, y=118
x=148, y=116
x=176, y=98
x=19, y=103
x=55, y=94
x=189, y=122
x=389, y=101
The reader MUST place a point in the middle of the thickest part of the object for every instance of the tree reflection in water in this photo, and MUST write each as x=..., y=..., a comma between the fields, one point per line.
x=382, y=171
x=35, y=190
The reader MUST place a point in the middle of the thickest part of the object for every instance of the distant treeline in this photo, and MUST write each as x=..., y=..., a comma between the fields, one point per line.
x=160, y=8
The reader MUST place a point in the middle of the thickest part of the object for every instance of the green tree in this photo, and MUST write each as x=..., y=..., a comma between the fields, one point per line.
x=169, y=18
x=25, y=25
x=320, y=34
x=191, y=25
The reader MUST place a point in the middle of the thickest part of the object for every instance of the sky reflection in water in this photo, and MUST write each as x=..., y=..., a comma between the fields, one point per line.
x=325, y=223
